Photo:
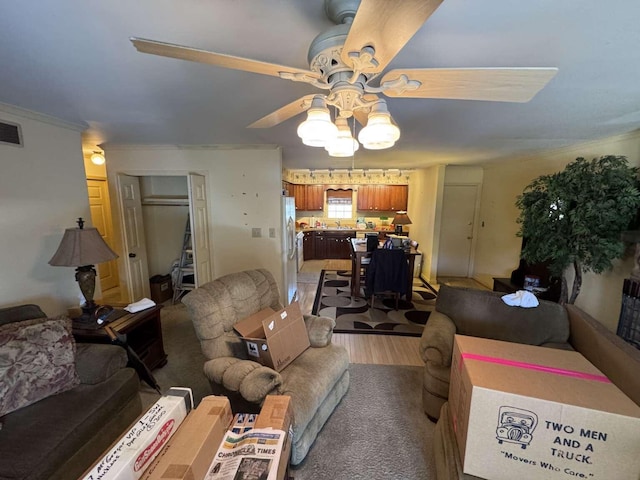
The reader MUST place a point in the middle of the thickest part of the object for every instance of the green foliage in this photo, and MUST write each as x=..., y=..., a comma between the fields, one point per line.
x=576, y=216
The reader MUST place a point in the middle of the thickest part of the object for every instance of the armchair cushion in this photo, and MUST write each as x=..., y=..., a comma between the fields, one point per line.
x=252, y=380
x=320, y=330
x=436, y=343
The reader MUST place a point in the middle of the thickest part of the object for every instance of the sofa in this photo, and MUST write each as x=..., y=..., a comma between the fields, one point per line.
x=61, y=404
x=481, y=313
x=609, y=353
x=316, y=380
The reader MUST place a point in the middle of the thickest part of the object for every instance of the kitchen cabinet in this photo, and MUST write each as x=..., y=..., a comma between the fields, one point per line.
x=308, y=197
x=308, y=245
x=315, y=197
x=300, y=193
x=382, y=198
x=398, y=197
x=319, y=246
x=337, y=245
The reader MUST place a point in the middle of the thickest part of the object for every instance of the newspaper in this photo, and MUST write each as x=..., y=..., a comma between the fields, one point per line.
x=253, y=455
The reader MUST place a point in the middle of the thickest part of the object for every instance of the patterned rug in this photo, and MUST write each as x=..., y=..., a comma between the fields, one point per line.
x=354, y=315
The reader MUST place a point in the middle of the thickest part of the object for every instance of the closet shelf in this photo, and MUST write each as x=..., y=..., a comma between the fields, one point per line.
x=166, y=200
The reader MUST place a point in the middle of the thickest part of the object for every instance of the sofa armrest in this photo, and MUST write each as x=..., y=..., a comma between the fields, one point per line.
x=436, y=343
x=96, y=362
x=320, y=330
x=252, y=380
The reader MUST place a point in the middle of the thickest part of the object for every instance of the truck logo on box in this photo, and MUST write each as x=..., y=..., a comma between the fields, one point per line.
x=516, y=425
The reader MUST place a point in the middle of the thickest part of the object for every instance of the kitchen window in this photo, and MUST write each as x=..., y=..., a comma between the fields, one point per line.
x=339, y=203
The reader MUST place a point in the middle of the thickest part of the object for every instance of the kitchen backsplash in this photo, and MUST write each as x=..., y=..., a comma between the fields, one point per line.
x=381, y=223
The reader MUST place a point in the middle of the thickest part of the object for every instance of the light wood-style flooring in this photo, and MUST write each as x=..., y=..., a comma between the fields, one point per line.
x=371, y=349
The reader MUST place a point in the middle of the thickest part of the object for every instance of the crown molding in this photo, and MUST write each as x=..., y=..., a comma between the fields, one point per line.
x=125, y=147
x=41, y=117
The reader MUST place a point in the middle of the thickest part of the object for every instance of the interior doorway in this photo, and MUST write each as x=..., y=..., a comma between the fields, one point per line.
x=459, y=207
x=100, y=209
x=154, y=210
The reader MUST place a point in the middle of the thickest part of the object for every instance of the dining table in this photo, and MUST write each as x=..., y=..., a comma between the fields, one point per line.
x=359, y=253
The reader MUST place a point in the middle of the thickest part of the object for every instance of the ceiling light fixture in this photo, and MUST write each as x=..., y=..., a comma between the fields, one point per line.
x=343, y=144
x=317, y=130
x=97, y=158
x=380, y=132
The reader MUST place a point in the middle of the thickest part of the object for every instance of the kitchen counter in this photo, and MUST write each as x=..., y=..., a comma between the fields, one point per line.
x=347, y=229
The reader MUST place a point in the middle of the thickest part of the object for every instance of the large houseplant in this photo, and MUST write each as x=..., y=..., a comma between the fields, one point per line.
x=576, y=216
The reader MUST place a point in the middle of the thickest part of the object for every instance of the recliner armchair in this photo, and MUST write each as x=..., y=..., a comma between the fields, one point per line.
x=316, y=380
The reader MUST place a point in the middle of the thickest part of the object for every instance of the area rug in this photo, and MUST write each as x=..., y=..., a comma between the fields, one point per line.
x=355, y=315
x=377, y=432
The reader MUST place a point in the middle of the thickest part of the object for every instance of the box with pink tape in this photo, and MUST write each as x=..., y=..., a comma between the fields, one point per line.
x=527, y=412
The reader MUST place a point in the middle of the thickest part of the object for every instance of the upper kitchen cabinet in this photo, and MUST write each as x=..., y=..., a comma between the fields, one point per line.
x=308, y=197
x=315, y=197
x=300, y=193
x=383, y=198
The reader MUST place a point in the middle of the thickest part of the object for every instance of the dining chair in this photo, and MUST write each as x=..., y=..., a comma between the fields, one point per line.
x=387, y=274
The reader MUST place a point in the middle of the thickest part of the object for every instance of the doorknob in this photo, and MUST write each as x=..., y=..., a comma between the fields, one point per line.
x=132, y=255
x=469, y=238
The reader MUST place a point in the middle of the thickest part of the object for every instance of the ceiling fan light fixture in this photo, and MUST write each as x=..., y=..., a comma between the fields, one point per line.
x=343, y=145
x=317, y=130
x=380, y=132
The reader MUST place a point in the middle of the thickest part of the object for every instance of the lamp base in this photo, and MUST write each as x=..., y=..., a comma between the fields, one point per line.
x=398, y=230
x=86, y=321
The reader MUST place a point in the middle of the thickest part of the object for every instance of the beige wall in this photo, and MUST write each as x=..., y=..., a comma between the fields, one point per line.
x=425, y=206
x=42, y=191
x=498, y=248
x=244, y=188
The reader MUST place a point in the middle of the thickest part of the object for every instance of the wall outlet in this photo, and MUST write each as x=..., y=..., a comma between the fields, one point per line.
x=256, y=232
x=272, y=232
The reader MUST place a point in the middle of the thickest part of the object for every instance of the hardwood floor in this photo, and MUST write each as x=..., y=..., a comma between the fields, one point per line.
x=371, y=349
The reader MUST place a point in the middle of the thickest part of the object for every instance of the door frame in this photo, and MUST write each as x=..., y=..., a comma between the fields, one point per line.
x=119, y=220
x=474, y=227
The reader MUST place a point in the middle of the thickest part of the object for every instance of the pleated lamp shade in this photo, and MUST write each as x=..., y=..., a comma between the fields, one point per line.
x=82, y=246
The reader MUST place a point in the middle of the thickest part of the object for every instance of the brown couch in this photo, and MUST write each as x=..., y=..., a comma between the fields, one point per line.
x=608, y=352
x=481, y=313
x=60, y=436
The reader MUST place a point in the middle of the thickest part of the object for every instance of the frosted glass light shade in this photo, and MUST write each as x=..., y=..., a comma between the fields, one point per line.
x=317, y=130
x=379, y=133
x=343, y=145
x=97, y=158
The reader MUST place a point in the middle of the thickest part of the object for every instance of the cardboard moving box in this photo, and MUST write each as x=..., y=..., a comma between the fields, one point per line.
x=189, y=453
x=528, y=412
x=274, y=339
x=132, y=453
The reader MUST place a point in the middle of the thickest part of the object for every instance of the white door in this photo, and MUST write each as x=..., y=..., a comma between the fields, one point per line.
x=456, y=230
x=199, y=219
x=290, y=275
x=135, y=252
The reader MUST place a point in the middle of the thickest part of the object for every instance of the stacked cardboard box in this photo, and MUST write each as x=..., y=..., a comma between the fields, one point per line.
x=532, y=413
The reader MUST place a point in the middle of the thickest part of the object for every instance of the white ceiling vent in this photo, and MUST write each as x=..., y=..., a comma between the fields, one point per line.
x=10, y=133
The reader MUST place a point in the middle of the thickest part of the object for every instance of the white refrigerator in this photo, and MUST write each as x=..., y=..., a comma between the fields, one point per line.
x=289, y=249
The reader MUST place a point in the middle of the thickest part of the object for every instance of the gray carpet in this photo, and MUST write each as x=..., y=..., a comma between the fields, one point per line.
x=378, y=431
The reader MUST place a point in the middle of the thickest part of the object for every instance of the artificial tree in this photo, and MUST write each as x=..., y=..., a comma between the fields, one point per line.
x=576, y=217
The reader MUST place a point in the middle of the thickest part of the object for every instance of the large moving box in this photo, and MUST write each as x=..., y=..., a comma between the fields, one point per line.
x=132, y=453
x=528, y=412
x=189, y=453
x=275, y=339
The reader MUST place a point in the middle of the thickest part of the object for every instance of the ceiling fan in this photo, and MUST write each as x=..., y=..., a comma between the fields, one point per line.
x=345, y=59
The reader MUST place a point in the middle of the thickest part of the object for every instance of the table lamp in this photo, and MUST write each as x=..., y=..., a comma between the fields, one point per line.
x=401, y=218
x=83, y=248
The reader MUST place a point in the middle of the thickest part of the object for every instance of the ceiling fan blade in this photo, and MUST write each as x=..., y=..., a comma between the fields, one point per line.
x=285, y=113
x=492, y=84
x=219, y=59
x=385, y=25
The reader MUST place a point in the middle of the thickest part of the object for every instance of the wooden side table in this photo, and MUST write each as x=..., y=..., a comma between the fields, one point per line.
x=142, y=331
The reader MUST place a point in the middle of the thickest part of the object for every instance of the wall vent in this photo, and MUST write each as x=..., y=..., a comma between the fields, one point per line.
x=10, y=133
